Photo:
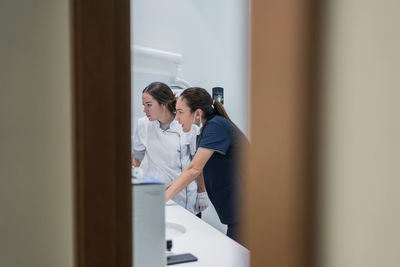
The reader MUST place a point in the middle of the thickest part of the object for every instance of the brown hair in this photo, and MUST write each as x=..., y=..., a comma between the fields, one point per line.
x=163, y=94
x=197, y=97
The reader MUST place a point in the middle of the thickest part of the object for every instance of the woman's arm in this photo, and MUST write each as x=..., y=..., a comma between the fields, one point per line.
x=201, y=187
x=191, y=172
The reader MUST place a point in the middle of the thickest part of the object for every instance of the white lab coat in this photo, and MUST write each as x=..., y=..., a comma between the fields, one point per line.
x=167, y=153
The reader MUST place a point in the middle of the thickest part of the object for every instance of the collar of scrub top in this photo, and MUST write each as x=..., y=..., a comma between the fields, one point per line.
x=186, y=138
x=174, y=126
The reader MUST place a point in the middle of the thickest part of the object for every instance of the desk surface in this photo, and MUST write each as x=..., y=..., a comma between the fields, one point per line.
x=209, y=245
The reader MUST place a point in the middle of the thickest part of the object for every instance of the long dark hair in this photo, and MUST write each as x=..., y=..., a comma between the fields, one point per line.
x=163, y=94
x=197, y=97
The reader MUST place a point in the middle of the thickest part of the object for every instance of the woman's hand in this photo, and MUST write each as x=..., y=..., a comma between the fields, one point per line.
x=167, y=198
x=169, y=185
x=201, y=202
x=190, y=173
x=135, y=162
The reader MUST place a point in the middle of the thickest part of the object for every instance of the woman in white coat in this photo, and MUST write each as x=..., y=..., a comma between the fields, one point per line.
x=168, y=150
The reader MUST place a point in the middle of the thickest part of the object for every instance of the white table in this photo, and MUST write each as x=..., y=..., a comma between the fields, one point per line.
x=190, y=234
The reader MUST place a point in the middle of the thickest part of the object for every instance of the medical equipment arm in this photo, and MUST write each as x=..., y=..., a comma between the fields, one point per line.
x=190, y=173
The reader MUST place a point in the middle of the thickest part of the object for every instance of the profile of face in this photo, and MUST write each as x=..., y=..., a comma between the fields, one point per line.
x=151, y=107
x=183, y=115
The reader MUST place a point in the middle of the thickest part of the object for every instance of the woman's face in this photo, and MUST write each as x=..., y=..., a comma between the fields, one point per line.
x=183, y=115
x=151, y=107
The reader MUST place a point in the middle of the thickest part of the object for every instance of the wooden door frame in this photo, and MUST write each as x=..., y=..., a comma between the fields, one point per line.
x=101, y=95
x=281, y=186
x=280, y=164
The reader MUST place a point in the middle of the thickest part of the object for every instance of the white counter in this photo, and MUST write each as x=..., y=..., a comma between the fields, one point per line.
x=210, y=246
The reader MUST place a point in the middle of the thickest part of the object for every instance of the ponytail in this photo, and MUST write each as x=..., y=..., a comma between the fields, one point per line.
x=220, y=110
x=199, y=98
x=171, y=105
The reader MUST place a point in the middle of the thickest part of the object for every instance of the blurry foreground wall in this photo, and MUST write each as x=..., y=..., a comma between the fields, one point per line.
x=36, y=216
x=360, y=154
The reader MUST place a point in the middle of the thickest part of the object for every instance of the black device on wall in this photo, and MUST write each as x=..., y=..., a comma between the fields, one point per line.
x=218, y=94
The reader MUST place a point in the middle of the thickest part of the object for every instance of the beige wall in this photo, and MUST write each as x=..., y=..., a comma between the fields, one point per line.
x=35, y=134
x=361, y=135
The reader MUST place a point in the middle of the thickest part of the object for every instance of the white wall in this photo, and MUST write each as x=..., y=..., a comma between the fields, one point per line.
x=212, y=37
x=361, y=147
x=35, y=134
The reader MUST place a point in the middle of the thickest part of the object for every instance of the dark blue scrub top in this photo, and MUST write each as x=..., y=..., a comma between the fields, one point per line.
x=220, y=174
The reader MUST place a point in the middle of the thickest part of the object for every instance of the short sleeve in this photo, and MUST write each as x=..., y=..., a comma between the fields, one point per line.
x=216, y=137
x=138, y=143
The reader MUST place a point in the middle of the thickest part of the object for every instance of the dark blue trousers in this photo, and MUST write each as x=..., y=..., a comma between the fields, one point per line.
x=234, y=232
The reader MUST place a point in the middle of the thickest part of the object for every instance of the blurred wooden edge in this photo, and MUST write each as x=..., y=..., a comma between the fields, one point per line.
x=278, y=209
x=101, y=104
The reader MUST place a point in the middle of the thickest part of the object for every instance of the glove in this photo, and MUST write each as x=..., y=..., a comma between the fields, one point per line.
x=137, y=172
x=201, y=202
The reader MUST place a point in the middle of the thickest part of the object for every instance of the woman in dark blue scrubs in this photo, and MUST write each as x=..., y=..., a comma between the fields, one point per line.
x=218, y=146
